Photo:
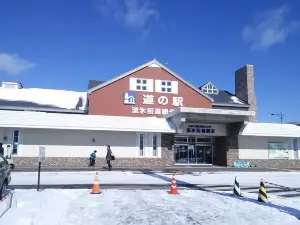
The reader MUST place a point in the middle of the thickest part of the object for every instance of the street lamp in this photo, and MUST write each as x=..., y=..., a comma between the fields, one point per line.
x=278, y=114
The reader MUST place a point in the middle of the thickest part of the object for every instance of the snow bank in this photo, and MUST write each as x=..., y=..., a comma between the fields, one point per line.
x=5, y=204
x=69, y=207
x=58, y=98
x=33, y=208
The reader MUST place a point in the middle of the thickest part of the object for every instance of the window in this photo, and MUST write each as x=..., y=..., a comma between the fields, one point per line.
x=141, y=84
x=166, y=86
x=209, y=88
x=204, y=140
x=141, y=145
x=16, y=141
x=295, y=147
x=180, y=139
x=154, y=143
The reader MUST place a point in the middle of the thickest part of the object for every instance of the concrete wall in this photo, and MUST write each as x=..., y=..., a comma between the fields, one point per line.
x=63, y=143
x=257, y=147
x=255, y=151
x=65, y=149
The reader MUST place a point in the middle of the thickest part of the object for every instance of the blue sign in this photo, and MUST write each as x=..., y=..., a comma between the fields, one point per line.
x=200, y=129
x=129, y=98
x=237, y=164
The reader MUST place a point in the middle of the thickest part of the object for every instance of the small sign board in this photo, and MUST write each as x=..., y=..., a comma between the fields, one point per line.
x=239, y=164
x=42, y=154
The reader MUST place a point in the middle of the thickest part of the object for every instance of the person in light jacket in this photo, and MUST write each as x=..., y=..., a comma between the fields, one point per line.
x=109, y=157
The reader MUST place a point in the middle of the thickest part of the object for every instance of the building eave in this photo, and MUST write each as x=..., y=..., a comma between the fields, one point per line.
x=231, y=105
x=41, y=109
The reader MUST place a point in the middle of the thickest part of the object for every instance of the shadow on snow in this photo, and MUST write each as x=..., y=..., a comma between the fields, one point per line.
x=285, y=209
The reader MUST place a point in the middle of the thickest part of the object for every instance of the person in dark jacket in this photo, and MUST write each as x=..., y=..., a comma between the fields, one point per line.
x=1, y=149
x=109, y=157
x=93, y=158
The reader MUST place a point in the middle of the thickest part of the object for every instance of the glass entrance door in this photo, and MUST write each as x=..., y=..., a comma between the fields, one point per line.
x=193, y=154
x=181, y=153
x=200, y=154
x=208, y=156
x=204, y=154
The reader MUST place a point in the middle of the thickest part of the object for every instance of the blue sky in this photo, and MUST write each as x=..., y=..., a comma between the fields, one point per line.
x=63, y=44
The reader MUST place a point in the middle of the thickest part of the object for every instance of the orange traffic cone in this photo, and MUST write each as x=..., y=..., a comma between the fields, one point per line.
x=173, y=190
x=96, y=186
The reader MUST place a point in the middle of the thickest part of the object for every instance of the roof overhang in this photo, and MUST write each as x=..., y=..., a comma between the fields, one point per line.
x=42, y=109
x=43, y=120
x=211, y=115
x=270, y=130
x=183, y=115
x=231, y=105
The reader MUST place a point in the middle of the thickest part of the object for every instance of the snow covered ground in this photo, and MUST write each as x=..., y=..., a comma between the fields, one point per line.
x=211, y=205
x=78, y=207
x=112, y=177
x=290, y=179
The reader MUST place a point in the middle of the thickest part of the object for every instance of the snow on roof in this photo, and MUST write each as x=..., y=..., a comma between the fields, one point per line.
x=236, y=100
x=271, y=130
x=58, y=98
x=26, y=119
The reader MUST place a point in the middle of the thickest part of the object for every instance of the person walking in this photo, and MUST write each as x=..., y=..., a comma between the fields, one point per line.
x=109, y=157
x=93, y=158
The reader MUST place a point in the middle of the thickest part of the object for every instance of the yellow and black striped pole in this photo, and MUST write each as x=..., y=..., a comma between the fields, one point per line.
x=262, y=193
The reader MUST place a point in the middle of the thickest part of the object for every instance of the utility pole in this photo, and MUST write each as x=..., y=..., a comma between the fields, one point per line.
x=278, y=114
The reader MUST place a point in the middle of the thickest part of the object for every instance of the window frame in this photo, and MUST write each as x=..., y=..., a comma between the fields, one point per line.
x=155, y=151
x=149, y=145
x=15, y=152
x=209, y=88
x=295, y=148
x=141, y=84
x=166, y=86
x=139, y=145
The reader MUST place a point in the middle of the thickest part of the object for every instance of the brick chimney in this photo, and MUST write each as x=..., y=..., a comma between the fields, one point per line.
x=244, y=87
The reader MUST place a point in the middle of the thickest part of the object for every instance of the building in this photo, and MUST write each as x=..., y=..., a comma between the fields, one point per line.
x=150, y=116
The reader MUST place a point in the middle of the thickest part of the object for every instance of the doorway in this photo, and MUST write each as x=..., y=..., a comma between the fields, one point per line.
x=193, y=150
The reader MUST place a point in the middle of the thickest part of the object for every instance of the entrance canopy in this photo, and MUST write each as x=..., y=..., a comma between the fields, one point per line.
x=209, y=116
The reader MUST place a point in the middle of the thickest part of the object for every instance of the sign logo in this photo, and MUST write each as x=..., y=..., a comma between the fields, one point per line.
x=200, y=129
x=129, y=98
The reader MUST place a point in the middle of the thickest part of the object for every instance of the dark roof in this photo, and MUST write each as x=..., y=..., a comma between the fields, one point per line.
x=32, y=106
x=224, y=97
x=94, y=83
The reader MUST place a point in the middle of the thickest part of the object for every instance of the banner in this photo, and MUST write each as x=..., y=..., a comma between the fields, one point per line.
x=278, y=150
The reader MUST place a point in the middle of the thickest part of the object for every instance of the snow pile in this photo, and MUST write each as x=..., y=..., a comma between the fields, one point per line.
x=69, y=207
x=5, y=204
x=236, y=100
x=34, y=208
x=58, y=98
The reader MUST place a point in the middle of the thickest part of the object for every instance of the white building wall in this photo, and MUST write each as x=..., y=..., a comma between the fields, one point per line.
x=256, y=147
x=70, y=143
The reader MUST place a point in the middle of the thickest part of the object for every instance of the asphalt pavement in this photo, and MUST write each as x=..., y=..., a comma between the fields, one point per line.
x=160, y=169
